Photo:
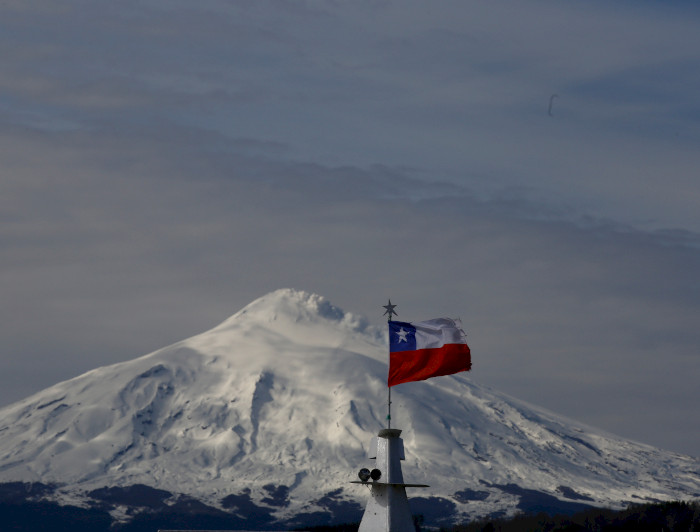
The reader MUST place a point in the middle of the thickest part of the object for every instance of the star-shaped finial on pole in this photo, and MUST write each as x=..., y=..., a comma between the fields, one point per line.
x=390, y=310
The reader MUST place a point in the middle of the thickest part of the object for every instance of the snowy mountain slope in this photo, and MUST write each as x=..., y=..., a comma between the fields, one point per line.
x=284, y=397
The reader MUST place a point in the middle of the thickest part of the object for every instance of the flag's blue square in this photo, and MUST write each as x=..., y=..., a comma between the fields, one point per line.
x=402, y=336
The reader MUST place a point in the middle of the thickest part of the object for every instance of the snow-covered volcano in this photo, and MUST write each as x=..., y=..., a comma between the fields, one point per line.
x=279, y=403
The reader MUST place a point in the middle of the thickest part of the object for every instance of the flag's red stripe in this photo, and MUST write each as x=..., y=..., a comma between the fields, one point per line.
x=407, y=366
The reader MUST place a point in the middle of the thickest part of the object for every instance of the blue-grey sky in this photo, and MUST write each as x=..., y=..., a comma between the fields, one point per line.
x=529, y=166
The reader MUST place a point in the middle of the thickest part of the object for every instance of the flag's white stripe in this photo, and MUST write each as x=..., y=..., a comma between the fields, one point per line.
x=435, y=333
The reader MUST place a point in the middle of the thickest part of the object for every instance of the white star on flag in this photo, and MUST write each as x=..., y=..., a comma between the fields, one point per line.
x=402, y=335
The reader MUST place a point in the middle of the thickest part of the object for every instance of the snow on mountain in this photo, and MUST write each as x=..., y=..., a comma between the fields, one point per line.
x=279, y=403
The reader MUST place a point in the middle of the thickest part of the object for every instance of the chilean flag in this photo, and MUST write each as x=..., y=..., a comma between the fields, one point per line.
x=418, y=351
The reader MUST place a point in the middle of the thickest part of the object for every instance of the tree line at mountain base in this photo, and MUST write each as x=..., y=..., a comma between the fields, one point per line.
x=674, y=516
x=39, y=516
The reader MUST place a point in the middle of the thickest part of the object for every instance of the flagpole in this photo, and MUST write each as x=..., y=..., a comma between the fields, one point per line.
x=388, y=416
x=390, y=311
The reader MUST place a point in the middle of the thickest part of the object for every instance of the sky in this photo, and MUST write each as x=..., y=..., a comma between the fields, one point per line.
x=529, y=167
